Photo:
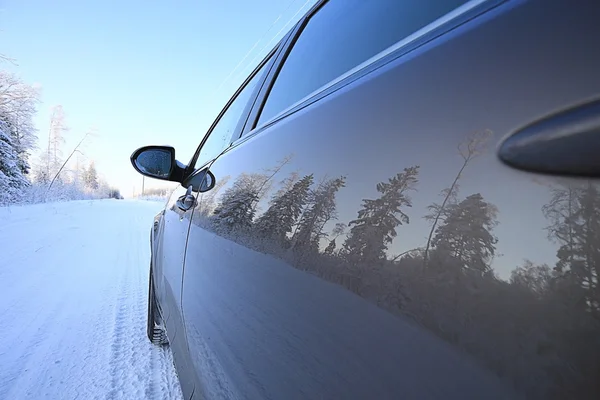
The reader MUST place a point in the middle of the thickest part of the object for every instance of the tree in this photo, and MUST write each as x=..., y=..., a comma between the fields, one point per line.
x=55, y=140
x=575, y=224
x=320, y=209
x=338, y=230
x=375, y=227
x=265, y=180
x=284, y=211
x=90, y=177
x=535, y=278
x=17, y=107
x=206, y=203
x=237, y=207
x=474, y=145
x=12, y=181
x=466, y=234
x=287, y=183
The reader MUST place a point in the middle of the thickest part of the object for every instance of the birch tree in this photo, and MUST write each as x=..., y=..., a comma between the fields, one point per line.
x=55, y=140
x=474, y=145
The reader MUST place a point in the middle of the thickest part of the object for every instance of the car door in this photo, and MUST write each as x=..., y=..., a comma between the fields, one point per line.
x=363, y=239
x=226, y=127
x=170, y=238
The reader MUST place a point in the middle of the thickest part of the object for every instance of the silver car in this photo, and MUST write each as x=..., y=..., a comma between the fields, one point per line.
x=400, y=202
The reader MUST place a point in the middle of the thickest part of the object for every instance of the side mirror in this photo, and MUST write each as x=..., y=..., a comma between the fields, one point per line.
x=157, y=162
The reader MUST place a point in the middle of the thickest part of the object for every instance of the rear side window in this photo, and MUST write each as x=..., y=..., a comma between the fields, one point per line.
x=341, y=35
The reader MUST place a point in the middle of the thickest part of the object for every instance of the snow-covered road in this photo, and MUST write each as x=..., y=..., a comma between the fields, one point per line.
x=73, y=303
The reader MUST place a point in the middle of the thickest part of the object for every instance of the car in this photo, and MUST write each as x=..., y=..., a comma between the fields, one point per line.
x=399, y=202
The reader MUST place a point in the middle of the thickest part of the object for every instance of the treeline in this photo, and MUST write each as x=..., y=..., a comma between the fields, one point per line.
x=156, y=192
x=540, y=330
x=53, y=175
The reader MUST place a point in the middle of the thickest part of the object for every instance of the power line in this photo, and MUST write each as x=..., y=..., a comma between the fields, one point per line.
x=269, y=42
x=254, y=46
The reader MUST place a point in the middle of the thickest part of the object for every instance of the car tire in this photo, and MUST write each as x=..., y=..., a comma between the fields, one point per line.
x=155, y=329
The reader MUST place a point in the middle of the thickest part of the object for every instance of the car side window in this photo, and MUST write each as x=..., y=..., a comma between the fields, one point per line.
x=221, y=134
x=341, y=35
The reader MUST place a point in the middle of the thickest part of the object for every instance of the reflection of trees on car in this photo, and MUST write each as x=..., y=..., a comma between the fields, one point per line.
x=574, y=214
x=466, y=233
x=320, y=209
x=338, y=230
x=279, y=219
x=375, y=227
x=537, y=317
x=474, y=145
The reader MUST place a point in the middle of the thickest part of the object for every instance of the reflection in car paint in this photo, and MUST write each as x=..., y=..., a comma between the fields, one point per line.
x=447, y=284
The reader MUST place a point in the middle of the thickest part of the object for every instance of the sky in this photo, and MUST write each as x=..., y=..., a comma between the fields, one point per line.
x=138, y=72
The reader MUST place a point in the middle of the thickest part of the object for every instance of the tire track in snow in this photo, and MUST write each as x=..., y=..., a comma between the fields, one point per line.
x=122, y=333
x=147, y=378
x=77, y=326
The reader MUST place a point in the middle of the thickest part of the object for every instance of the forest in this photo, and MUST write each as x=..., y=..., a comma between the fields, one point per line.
x=31, y=172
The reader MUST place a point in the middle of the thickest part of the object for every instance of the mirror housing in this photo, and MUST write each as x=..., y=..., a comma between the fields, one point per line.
x=158, y=162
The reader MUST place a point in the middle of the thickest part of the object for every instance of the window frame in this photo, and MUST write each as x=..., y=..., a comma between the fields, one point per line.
x=267, y=61
x=287, y=44
x=436, y=28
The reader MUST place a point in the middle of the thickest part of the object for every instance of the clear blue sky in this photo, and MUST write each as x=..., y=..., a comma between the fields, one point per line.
x=141, y=72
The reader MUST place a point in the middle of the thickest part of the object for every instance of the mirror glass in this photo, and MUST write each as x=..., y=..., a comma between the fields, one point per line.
x=155, y=162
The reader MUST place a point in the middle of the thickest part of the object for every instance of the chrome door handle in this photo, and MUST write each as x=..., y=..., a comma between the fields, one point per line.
x=565, y=143
x=187, y=201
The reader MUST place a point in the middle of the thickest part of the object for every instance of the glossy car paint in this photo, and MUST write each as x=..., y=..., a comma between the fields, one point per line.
x=250, y=315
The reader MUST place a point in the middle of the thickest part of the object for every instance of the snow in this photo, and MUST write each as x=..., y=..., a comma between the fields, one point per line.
x=73, y=303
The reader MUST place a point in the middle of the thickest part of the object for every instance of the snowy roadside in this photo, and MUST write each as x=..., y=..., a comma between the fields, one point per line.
x=73, y=303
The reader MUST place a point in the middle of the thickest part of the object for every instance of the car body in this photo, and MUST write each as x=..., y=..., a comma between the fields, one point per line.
x=374, y=213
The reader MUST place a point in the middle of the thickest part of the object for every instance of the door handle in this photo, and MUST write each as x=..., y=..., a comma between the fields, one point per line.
x=564, y=143
x=187, y=201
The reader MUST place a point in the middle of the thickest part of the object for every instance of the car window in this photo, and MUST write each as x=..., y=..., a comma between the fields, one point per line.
x=340, y=36
x=221, y=134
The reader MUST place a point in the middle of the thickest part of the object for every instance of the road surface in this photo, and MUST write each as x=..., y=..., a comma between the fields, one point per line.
x=73, y=303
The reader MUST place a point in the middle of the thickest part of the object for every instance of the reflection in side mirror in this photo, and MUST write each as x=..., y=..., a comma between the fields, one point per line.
x=154, y=161
x=201, y=181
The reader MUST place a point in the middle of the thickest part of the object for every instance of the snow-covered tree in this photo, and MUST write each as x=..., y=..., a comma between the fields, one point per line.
x=575, y=224
x=12, y=181
x=55, y=140
x=375, y=227
x=284, y=211
x=236, y=210
x=473, y=145
x=90, y=177
x=264, y=181
x=466, y=234
x=320, y=209
x=287, y=183
x=206, y=203
x=17, y=107
x=338, y=230
x=536, y=278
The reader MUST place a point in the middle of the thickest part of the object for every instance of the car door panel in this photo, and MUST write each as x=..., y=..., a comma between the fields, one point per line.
x=168, y=275
x=227, y=126
x=415, y=293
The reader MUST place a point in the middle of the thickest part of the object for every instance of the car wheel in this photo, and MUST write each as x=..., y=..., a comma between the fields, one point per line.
x=156, y=331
